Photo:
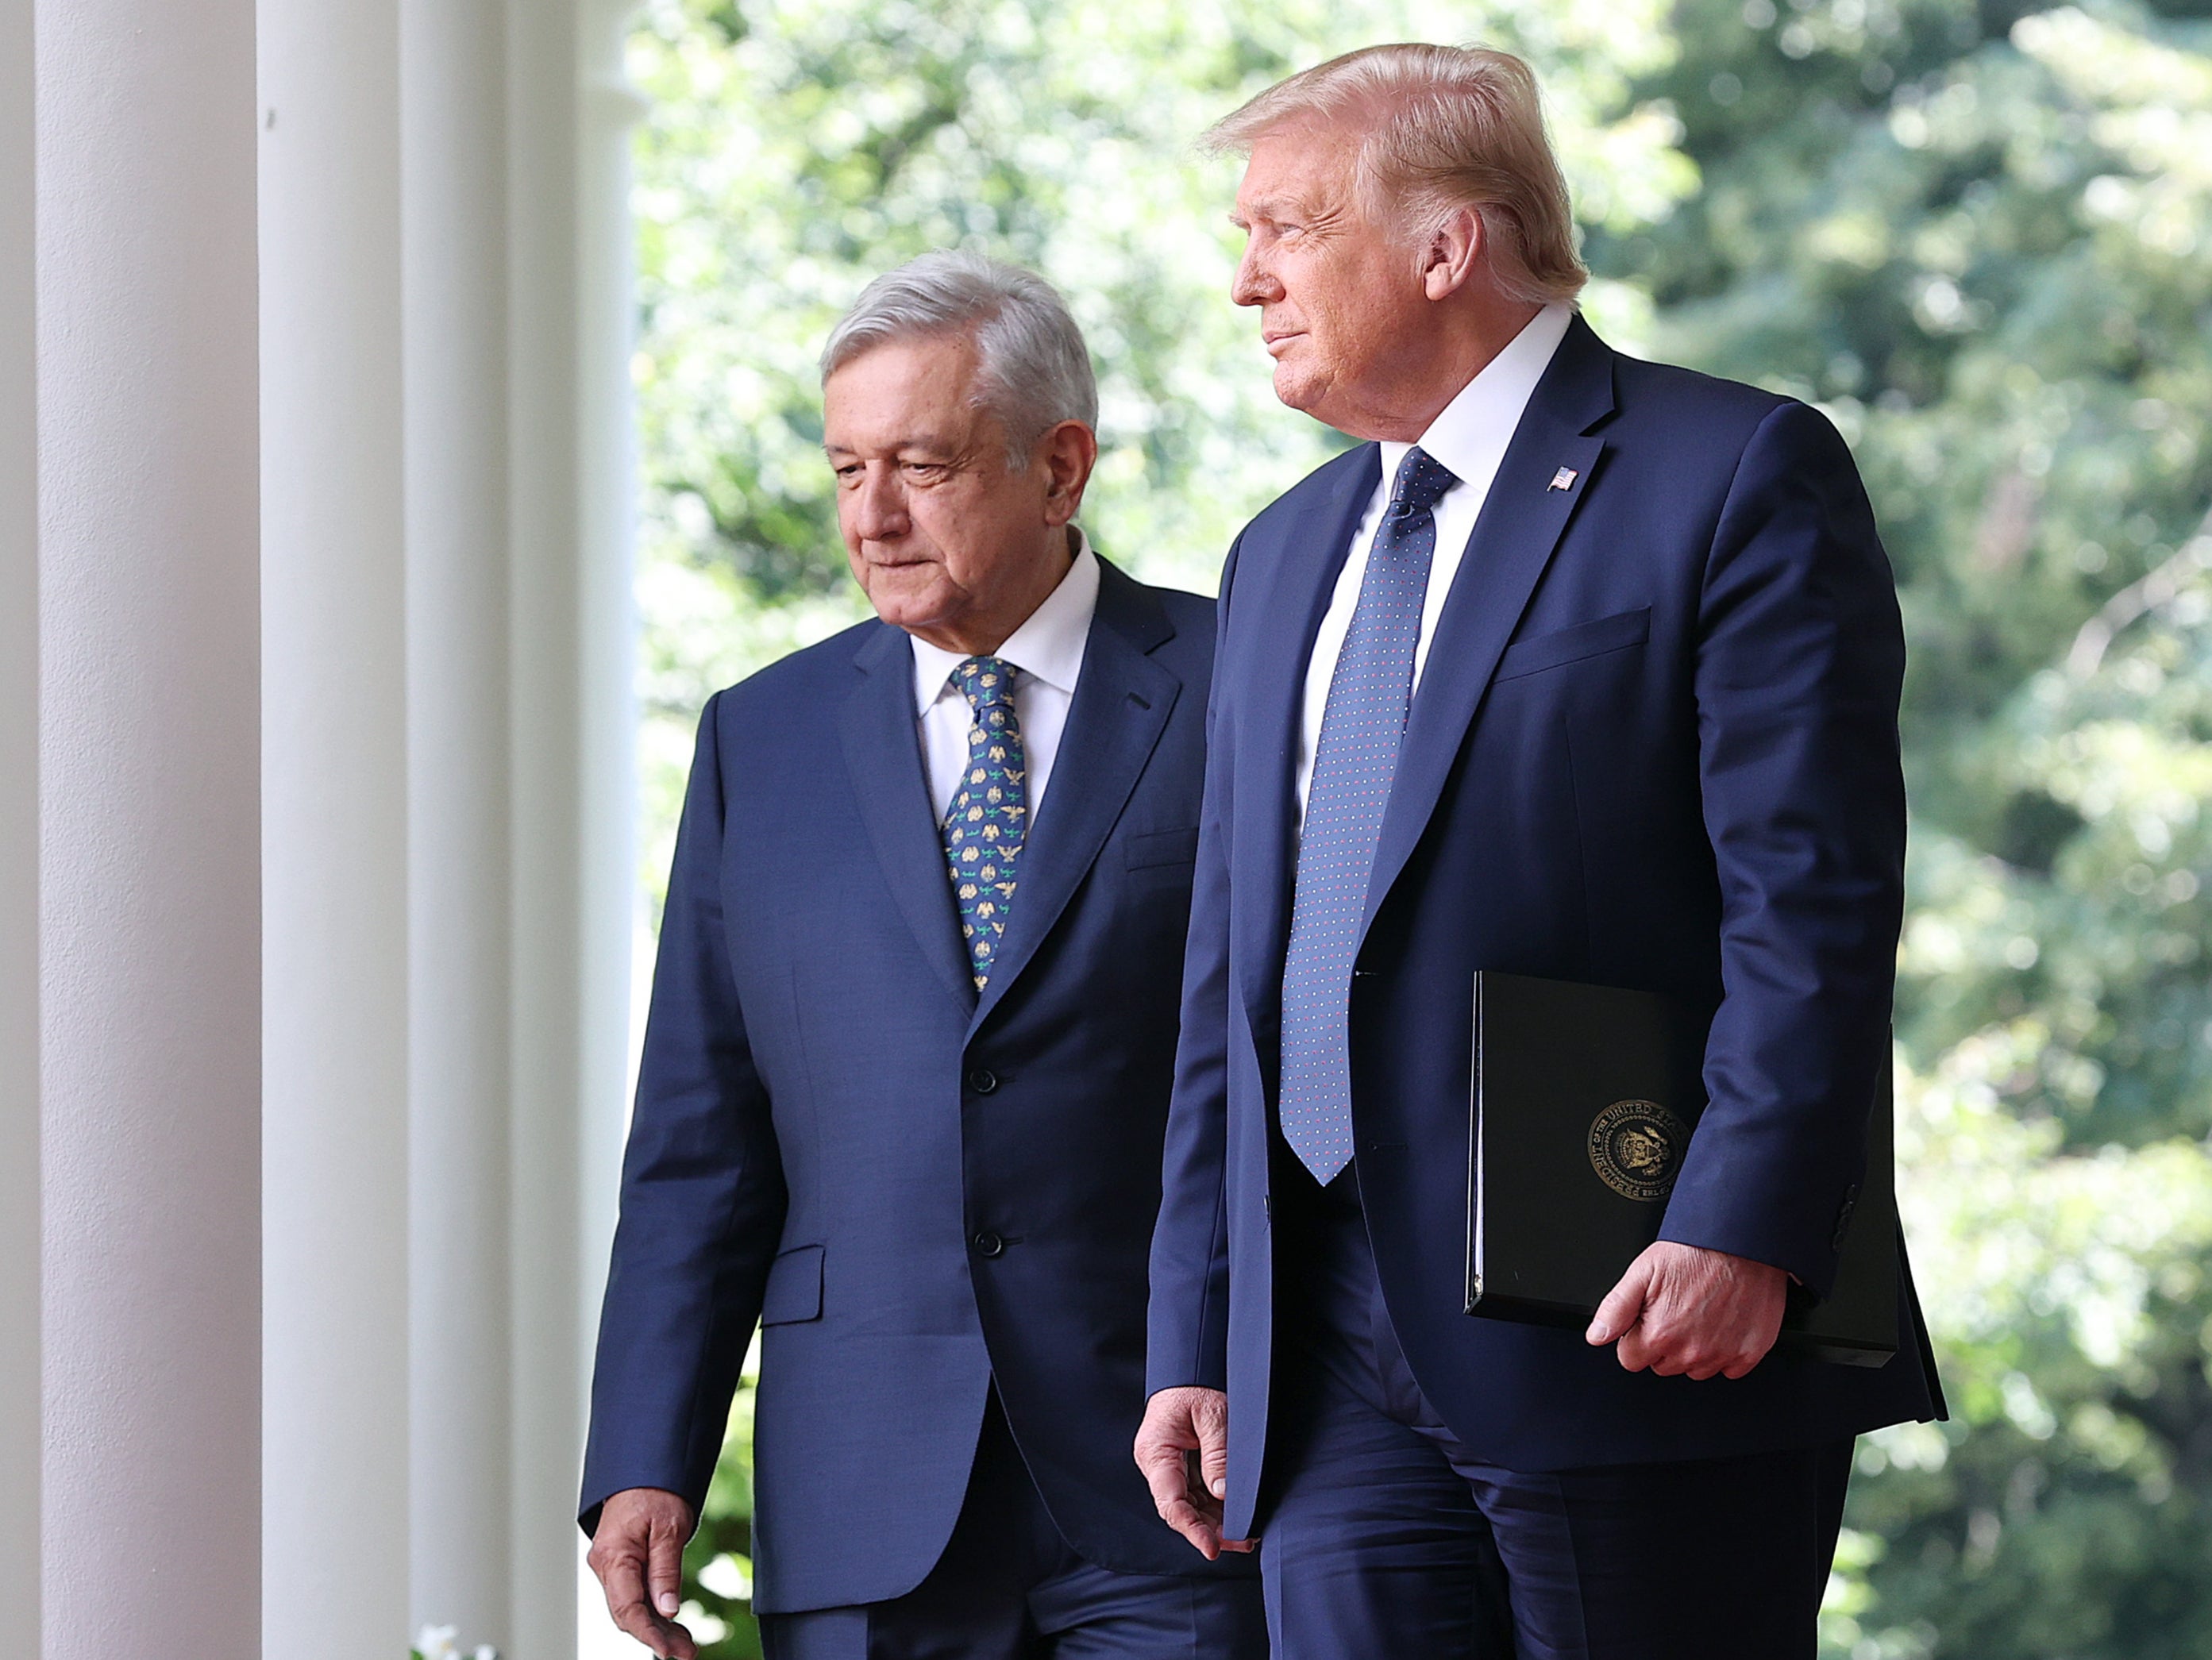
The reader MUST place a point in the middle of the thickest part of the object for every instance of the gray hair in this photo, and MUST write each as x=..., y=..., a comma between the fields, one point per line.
x=1032, y=369
x=1441, y=128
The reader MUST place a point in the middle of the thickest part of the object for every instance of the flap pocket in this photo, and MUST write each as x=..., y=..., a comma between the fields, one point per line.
x=794, y=1287
x=1549, y=651
x=1175, y=847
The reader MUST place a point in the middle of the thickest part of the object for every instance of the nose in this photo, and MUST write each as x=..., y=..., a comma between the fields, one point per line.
x=1253, y=283
x=880, y=507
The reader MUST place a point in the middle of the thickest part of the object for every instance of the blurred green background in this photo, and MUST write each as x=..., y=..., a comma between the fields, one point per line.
x=1980, y=238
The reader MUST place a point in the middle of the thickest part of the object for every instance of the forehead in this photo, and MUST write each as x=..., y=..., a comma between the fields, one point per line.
x=1296, y=166
x=903, y=392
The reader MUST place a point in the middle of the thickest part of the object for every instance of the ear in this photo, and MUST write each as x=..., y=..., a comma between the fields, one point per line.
x=1068, y=452
x=1449, y=257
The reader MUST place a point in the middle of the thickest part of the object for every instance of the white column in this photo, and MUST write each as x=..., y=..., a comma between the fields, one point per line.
x=571, y=778
x=18, y=832
x=517, y=348
x=149, y=913
x=335, y=825
x=611, y=108
x=453, y=67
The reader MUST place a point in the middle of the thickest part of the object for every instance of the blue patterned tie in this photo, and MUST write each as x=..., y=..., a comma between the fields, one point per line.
x=1353, y=764
x=988, y=819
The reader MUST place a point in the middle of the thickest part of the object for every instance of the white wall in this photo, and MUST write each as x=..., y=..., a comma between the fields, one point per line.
x=335, y=817
x=19, y=834
x=149, y=882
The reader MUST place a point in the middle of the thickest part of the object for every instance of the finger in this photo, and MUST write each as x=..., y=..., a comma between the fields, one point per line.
x=1635, y=1350
x=1242, y=1546
x=662, y=1637
x=1213, y=1458
x=1623, y=1306
x=1187, y=1520
x=1670, y=1354
x=1163, y=1472
x=622, y=1576
x=664, y=1571
x=1747, y=1358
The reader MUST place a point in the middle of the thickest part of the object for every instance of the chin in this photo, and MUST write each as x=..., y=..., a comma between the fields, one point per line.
x=907, y=605
x=1297, y=389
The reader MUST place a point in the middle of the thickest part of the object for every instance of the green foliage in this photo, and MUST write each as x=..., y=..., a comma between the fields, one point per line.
x=1979, y=236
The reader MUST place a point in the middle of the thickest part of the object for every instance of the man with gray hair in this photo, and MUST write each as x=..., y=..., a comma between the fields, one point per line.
x=906, y=1068
x=1580, y=668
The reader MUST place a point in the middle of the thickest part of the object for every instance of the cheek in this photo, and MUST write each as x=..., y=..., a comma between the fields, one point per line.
x=961, y=532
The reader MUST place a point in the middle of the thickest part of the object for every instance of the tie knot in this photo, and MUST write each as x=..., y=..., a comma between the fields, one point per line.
x=1421, y=482
x=984, y=682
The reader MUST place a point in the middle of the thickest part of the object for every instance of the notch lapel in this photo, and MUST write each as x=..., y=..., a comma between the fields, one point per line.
x=1122, y=701
x=882, y=753
x=1521, y=523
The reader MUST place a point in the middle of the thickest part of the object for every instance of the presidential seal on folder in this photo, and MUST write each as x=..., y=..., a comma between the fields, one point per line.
x=1585, y=1104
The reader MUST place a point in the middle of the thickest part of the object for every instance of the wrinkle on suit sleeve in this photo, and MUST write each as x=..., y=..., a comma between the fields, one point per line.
x=702, y=1192
x=1799, y=669
x=1188, y=1313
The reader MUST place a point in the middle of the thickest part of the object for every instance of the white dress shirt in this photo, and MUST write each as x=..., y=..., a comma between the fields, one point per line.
x=1469, y=437
x=1047, y=653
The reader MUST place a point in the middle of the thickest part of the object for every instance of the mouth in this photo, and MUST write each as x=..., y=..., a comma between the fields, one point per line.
x=1277, y=341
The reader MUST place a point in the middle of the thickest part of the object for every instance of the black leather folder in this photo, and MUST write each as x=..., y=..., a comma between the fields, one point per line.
x=1586, y=1099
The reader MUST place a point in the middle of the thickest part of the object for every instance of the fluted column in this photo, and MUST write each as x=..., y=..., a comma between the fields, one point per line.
x=335, y=817
x=149, y=799
x=18, y=830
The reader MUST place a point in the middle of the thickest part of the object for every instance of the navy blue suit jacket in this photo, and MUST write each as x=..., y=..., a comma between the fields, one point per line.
x=913, y=1191
x=1655, y=746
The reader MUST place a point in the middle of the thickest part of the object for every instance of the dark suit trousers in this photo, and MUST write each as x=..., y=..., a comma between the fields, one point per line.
x=1383, y=1535
x=1009, y=1587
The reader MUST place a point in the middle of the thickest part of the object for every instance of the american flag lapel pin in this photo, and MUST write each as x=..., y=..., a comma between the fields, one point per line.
x=1563, y=479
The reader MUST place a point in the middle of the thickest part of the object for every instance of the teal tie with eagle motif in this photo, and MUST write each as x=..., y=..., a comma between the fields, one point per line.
x=988, y=819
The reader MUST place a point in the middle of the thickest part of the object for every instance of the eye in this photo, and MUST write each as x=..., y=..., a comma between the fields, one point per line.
x=924, y=472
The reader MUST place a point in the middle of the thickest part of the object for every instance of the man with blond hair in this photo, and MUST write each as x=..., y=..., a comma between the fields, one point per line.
x=1579, y=668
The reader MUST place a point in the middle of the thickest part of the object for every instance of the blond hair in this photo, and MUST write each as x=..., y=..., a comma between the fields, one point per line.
x=1441, y=129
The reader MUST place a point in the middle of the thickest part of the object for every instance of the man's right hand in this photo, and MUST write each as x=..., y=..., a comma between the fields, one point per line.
x=638, y=1553
x=1178, y=1423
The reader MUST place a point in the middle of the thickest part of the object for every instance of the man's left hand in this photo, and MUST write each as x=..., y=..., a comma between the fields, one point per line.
x=1682, y=1310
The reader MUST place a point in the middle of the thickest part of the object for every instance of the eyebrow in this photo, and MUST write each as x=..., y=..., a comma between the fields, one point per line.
x=1274, y=207
x=927, y=442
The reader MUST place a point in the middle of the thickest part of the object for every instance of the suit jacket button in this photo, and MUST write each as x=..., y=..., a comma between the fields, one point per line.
x=982, y=1081
x=989, y=1245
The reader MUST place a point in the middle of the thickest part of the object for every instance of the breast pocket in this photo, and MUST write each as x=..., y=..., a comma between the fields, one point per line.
x=1574, y=645
x=1158, y=848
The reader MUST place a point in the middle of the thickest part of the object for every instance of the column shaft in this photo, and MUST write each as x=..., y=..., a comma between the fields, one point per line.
x=18, y=830
x=334, y=822
x=453, y=60
x=549, y=694
x=150, y=902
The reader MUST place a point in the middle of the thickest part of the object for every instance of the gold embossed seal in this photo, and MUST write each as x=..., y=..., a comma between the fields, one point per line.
x=1635, y=1147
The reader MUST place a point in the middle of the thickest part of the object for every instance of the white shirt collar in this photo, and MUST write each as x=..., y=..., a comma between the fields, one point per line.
x=1048, y=645
x=1471, y=434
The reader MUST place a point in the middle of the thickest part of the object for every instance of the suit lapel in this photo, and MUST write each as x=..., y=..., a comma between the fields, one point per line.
x=883, y=750
x=1122, y=701
x=1521, y=523
x=1294, y=578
